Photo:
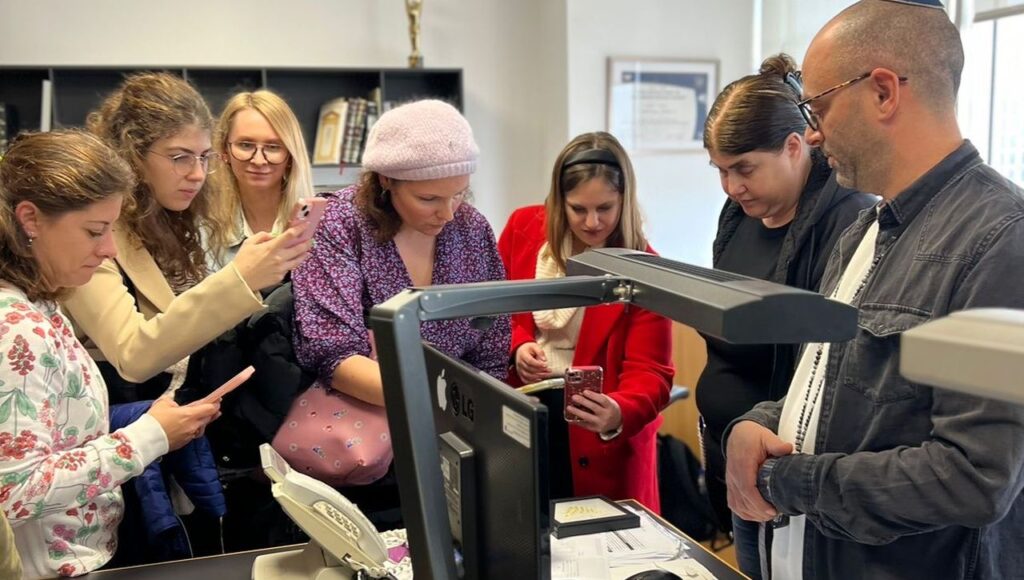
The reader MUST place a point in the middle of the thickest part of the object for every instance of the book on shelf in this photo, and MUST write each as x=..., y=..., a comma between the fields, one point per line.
x=3, y=129
x=372, y=114
x=330, y=132
x=354, y=127
x=342, y=128
x=46, y=109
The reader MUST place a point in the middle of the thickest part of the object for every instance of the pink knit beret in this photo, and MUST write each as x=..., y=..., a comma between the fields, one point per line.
x=421, y=140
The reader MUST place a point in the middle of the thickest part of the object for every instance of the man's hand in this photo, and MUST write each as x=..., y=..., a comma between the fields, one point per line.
x=749, y=445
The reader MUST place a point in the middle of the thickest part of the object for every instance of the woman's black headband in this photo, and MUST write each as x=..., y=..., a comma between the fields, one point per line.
x=589, y=156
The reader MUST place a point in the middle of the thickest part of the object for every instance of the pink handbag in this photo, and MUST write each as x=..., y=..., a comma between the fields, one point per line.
x=335, y=438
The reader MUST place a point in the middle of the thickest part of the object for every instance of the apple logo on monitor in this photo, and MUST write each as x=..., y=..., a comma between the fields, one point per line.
x=442, y=391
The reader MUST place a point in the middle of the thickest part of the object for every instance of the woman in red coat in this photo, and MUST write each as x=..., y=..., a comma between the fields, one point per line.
x=609, y=448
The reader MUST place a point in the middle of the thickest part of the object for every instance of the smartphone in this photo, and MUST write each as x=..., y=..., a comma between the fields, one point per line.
x=227, y=387
x=308, y=211
x=579, y=379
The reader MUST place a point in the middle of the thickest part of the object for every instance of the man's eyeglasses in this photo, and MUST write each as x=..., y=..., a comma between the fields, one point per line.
x=795, y=80
x=184, y=163
x=246, y=151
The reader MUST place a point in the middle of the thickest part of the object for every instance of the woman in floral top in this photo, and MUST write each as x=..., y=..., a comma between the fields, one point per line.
x=404, y=224
x=60, y=467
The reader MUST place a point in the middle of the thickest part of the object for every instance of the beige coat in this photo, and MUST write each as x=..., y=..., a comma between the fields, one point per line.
x=143, y=340
x=10, y=562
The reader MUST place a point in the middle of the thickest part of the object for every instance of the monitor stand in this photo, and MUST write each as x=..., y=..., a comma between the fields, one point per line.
x=309, y=563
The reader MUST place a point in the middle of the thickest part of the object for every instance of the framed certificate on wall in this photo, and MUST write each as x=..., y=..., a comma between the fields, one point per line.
x=660, y=105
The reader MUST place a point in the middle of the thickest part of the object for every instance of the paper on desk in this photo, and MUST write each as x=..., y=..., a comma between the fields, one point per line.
x=579, y=558
x=650, y=542
x=589, y=557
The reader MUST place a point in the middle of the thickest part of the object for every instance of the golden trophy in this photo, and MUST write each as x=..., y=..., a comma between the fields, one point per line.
x=413, y=8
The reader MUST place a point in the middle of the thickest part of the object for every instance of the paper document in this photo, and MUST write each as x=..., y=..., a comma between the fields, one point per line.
x=590, y=557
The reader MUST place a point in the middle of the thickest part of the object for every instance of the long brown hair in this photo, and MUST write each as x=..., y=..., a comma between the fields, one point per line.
x=375, y=201
x=298, y=178
x=59, y=172
x=757, y=112
x=629, y=232
x=148, y=107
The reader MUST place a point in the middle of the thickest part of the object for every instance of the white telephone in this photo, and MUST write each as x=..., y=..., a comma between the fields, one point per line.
x=343, y=542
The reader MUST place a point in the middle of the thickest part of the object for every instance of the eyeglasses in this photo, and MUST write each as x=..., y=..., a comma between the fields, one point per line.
x=246, y=151
x=184, y=163
x=812, y=118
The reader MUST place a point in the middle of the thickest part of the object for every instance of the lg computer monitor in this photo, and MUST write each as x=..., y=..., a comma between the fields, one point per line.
x=493, y=443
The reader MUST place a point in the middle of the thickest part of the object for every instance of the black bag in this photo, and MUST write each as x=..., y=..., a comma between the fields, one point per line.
x=684, y=497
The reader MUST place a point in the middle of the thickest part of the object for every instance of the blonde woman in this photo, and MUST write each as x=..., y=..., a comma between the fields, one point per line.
x=610, y=447
x=260, y=139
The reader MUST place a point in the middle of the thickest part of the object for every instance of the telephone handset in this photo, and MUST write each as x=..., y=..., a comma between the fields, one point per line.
x=348, y=540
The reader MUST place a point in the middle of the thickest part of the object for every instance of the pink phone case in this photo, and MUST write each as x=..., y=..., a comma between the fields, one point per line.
x=227, y=387
x=579, y=379
x=308, y=210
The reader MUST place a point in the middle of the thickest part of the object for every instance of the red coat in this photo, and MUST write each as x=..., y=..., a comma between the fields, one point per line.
x=635, y=348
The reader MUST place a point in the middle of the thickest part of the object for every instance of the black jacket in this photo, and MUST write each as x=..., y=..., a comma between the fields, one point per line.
x=825, y=210
x=253, y=412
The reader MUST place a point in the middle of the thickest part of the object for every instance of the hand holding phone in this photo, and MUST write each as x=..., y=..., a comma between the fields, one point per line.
x=307, y=212
x=579, y=379
x=227, y=387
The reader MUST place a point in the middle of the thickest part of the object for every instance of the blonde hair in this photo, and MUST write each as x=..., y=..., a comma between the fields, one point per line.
x=148, y=107
x=629, y=232
x=59, y=172
x=298, y=178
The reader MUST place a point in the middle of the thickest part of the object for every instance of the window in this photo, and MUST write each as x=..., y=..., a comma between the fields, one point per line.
x=989, y=108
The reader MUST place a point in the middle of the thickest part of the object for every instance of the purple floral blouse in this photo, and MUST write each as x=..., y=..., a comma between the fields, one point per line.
x=348, y=272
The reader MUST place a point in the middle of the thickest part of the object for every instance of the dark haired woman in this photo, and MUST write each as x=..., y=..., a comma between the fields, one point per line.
x=610, y=447
x=61, y=465
x=784, y=213
x=404, y=224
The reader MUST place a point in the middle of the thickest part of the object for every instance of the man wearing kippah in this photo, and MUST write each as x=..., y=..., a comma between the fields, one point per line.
x=862, y=473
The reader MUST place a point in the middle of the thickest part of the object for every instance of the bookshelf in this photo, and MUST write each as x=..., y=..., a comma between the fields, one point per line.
x=78, y=90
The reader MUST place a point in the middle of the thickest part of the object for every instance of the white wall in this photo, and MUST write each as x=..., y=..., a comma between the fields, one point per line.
x=509, y=53
x=680, y=193
x=534, y=71
x=790, y=25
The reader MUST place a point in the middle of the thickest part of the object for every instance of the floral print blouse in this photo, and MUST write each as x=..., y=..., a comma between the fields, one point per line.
x=60, y=467
x=348, y=272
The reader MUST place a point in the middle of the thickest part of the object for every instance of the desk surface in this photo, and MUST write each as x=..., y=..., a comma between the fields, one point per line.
x=238, y=565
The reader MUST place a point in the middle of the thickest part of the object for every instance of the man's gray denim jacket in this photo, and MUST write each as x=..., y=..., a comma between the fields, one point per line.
x=908, y=481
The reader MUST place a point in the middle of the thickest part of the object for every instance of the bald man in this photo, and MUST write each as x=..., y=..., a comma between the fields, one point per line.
x=862, y=473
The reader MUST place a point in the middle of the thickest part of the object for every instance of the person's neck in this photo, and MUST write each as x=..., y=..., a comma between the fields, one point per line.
x=406, y=234
x=788, y=213
x=915, y=154
x=260, y=207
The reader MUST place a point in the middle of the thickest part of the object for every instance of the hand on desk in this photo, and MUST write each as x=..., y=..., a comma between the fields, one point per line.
x=749, y=445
